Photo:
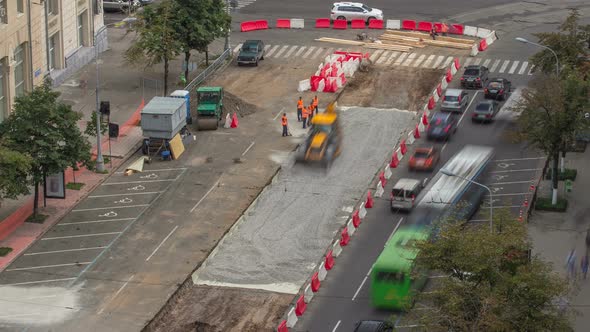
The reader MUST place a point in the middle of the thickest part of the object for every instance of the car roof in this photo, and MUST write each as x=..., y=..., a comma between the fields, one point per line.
x=474, y=67
x=252, y=41
x=453, y=92
x=406, y=184
x=358, y=4
x=441, y=115
x=424, y=149
x=496, y=79
x=485, y=102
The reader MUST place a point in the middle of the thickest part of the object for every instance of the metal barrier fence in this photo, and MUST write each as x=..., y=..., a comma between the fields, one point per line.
x=209, y=70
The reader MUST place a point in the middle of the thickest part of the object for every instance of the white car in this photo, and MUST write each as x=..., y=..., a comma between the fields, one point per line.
x=354, y=10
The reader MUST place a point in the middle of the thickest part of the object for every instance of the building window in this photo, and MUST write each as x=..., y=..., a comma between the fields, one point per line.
x=52, y=51
x=81, y=29
x=19, y=70
x=3, y=107
x=52, y=7
x=3, y=12
x=20, y=6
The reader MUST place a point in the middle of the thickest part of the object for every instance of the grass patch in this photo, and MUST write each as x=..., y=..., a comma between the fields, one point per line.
x=544, y=204
x=37, y=219
x=569, y=174
x=5, y=251
x=74, y=185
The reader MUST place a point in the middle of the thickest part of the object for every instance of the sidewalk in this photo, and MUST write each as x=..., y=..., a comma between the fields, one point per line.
x=555, y=234
x=127, y=88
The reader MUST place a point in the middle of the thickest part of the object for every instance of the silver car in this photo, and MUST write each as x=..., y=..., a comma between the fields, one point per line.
x=354, y=11
x=454, y=100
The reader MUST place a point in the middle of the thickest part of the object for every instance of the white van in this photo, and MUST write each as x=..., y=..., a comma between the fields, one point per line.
x=404, y=194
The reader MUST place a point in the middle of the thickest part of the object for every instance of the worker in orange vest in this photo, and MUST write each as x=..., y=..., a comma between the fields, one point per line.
x=299, y=109
x=304, y=115
x=310, y=113
x=444, y=29
x=284, y=123
x=315, y=104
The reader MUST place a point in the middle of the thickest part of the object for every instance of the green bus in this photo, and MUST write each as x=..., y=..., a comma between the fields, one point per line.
x=393, y=280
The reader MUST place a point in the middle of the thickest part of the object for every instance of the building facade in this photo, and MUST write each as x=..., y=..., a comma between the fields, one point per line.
x=45, y=39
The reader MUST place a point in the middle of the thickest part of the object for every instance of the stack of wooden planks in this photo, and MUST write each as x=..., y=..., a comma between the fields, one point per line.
x=381, y=46
x=425, y=39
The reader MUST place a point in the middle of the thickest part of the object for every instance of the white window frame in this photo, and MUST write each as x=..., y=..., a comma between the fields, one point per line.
x=52, y=7
x=20, y=6
x=52, y=52
x=20, y=87
x=80, y=28
x=3, y=12
x=3, y=86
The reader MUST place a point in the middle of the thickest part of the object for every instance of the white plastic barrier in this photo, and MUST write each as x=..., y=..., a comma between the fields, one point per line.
x=393, y=24
x=435, y=96
x=350, y=227
x=304, y=85
x=322, y=272
x=421, y=126
x=470, y=31
x=362, y=210
x=444, y=83
x=321, y=85
x=492, y=37
x=399, y=153
x=453, y=69
x=482, y=33
x=339, y=82
x=387, y=173
x=411, y=138
x=379, y=192
x=307, y=294
x=227, y=121
x=291, y=318
x=336, y=248
x=474, y=49
x=297, y=23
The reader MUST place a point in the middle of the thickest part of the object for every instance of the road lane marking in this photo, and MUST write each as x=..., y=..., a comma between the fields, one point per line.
x=514, y=66
x=75, y=236
x=438, y=61
x=125, y=194
x=93, y=221
x=131, y=182
x=336, y=327
x=467, y=62
x=530, y=158
x=426, y=63
x=278, y=54
x=36, y=282
x=300, y=50
x=409, y=59
x=206, y=194
x=46, y=266
x=512, y=194
x=329, y=52
x=504, y=65
x=383, y=57
x=272, y=50
x=531, y=70
x=111, y=207
x=116, y=293
x=311, y=49
x=419, y=60
x=468, y=106
x=249, y=147
x=400, y=59
x=399, y=222
x=448, y=61
x=494, y=66
x=514, y=182
x=315, y=55
x=391, y=58
x=161, y=243
x=375, y=55
x=160, y=170
x=279, y=113
x=60, y=251
x=477, y=62
x=487, y=62
x=523, y=67
x=518, y=170
x=291, y=50
x=361, y=286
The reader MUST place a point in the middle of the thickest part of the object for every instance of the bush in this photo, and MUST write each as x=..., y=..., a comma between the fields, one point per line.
x=5, y=251
x=74, y=185
x=38, y=219
x=544, y=204
x=569, y=174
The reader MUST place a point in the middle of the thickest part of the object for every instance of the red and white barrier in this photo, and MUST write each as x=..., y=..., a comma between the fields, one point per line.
x=336, y=248
x=254, y=25
x=291, y=317
x=470, y=31
x=315, y=282
x=388, y=172
x=356, y=219
x=379, y=190
x=393, y=24
x=297, y=23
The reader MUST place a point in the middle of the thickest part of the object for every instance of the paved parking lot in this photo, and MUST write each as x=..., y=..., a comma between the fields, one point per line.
x=72, y=246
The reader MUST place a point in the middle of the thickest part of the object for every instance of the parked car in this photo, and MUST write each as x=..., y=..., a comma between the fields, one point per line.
x=353, y=11
x=454, y=100
x=373, y=326
x=497, y=88
x=474, y=77
x=485, y=111
x=404, y=193
x=251, y=52
x=424, y=159
x=120, y=5
x=442, y=126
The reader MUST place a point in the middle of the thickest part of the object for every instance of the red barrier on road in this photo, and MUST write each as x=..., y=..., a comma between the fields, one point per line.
x=382, y=178
x=248, y=26
x=416, y=135
x=375, y=24
x=457, y=64
x=322, y=23
x=283, y=327
x=424, y=26
x=456, y=29
x=449, y=76
x=261, y=25
x=394, y=161
x=438, y=27
x=300, y=306
x=283, y=23
x=424, y=119
x=358, y=24
x=344, y=237
x=483, y=45
x=403, y=147
x=369, y=202
x=431, y=103
x=340, y=24
x=315, y=282
x=409, y=25
x=439, y=89
x=329, y=263
x=356, y=219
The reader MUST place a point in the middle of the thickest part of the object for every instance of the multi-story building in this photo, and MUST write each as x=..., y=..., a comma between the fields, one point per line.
x=42, y=39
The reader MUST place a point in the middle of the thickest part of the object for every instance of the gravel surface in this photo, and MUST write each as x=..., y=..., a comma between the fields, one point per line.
x=284, y=233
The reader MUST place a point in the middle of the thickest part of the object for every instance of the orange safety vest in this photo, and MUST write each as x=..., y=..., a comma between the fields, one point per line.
x=299, y=104
x=284, y=120
x=444, y=28
x=304, y=113
x=315, y=101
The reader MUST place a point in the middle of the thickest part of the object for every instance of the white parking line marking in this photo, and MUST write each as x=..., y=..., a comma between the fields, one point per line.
x=308, y=52
x=383, y=57
x=391, y=58
x=272, y=50
x=115, y=295
x=206, y=194
x=438, y=61
x=447, y=62
x=361, y=285
x=494, y=66
x=111, y=207
x=530, y=158
x=523, y=67
x=419, y=60
x=513, y=182
x=518, y=170
x=291, y=50
x=336, y=327
x=409, y=59
x=161, y=170
x=487, y=62
x=467, y=62
x=400, y=59
x=248, y=149
x=125, y=194
x=237, y=48
x=514, y=66
x=315, y=55
x=513, y=194
x=46, y=266
x=375, y=55
x=59, y=251
x=426, y=63
x=504, y=65
x=278, y=54
x=477, y=61
x=36, y=282
x=531, y=70
x=468, y=106
x=131, y=182
x=300, y=50
x=75, y=236
x=93, y=221
x=161, y=243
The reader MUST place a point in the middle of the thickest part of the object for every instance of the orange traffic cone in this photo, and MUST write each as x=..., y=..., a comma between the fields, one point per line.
x=234, y=120
x=369, y=203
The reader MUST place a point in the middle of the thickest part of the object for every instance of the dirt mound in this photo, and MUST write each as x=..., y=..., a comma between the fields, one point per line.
x=394, y=87
x=220, y=309
x=233, y=103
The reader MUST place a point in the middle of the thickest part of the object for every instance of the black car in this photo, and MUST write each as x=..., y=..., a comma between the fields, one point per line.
x=498, y=88
x=485, y=111
x=251, y=52
x=442, y=126
x=373, y=326
x=474, y=77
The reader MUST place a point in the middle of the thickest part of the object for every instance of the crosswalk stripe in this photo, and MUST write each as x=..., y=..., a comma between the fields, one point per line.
x=266, y=47
x=447, y=62
x=329, y=52
x=278, y=54
x=467, y=62
x=477, y=61
x=400, y=59
x=426, y=63
x=291, y=50
x=438, y=61
x=315, y=55
x=272, y=50
x=514, y=66
x=419, y=60
x=391, y=58
x=409, y=59
x=487, y=62
x=494, y=66
x=531, y=70
x=523, y=67
x=504, y=65
x=375, y=55
x=308, y=52
x=300, y=50
x=383, y=57
x=237, y=48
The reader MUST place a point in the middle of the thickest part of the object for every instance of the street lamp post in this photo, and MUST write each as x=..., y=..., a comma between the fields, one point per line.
x=449, y=173
x=523, y=40
x=229, y=29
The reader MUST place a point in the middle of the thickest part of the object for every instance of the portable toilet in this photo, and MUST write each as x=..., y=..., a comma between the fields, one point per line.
x=186, y=95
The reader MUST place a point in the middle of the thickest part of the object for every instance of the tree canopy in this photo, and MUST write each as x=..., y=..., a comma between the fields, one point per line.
x=14, y=168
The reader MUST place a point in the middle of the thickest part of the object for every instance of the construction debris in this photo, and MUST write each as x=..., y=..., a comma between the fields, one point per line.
x=136, y=166
x=372, y=45
x=418, y=39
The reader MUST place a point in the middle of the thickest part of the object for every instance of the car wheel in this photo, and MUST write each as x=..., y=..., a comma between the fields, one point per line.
x=341, y=18
x=370, y=18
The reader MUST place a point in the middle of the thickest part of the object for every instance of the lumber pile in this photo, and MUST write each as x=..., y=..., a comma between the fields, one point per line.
x=419, y=38
x=380, y=46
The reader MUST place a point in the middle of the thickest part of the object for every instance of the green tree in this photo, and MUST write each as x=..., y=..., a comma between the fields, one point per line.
x=198, y=23
x=14, y=168
x=491, y=284
x=157, y=41
x=552, y=111
x=91, y=126
x=47, y=130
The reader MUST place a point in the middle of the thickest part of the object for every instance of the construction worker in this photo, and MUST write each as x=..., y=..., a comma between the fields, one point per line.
x=433, y=33
x=284, y=124
x=310, y=113
x=299, y=109
x=444, y=29
x=304, y=115
x=315, y=104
